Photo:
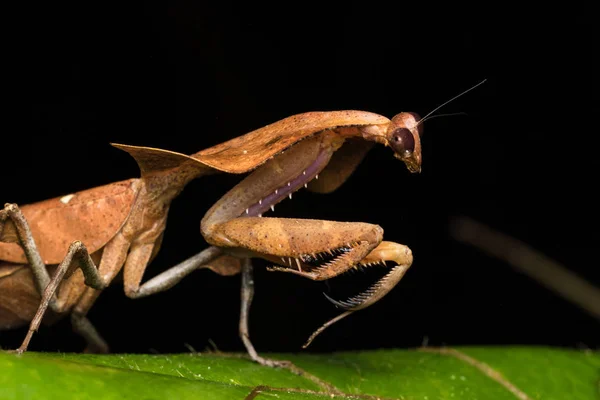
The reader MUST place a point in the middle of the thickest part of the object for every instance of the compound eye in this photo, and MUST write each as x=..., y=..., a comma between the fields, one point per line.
x=402, y=141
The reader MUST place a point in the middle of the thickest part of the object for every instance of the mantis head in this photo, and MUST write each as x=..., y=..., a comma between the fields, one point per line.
x=404, y=137
x=404, y=132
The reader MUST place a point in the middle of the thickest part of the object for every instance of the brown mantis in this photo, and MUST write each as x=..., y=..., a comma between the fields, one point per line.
x=122, y=224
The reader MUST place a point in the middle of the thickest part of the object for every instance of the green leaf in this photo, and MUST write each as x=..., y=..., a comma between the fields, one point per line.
x=426, y=374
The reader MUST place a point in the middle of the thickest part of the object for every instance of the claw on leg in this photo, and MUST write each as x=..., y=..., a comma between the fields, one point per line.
x=386, y=251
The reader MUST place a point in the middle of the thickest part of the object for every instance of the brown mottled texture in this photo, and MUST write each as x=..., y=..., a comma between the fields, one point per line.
x=92, y=216
x=287, y=237
x=151, y=160
x=17, y=306
x=248, y=151
x=225, y=265
x=19, y=298
x=120, y=224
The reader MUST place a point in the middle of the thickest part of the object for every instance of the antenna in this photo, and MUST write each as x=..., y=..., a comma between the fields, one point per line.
x=452, y=99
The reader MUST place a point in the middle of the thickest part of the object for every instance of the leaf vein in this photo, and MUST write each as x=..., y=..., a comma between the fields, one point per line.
x=481, y=366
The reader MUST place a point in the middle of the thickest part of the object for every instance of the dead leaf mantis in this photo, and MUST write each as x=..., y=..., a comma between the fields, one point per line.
x=286, y=155
x=120, y=225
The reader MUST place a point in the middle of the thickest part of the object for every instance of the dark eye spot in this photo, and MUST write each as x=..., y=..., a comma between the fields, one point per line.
x=402, y=141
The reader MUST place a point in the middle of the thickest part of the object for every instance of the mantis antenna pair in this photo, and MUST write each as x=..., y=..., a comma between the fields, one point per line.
x=121, y=225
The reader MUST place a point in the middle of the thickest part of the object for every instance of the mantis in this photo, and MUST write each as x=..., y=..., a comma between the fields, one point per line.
x=120, y=225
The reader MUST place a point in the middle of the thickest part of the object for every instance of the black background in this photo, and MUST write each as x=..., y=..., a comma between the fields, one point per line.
x=185, y=76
